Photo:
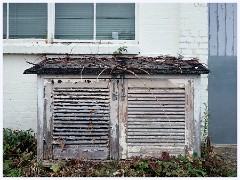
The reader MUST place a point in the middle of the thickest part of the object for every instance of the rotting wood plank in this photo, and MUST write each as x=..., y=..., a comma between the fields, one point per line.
x=95, y=126
x=75, y=97
x=77, y=132
x=157, y=130
x=81, y=152
x=41, y=119
x=156, y=120
x=78, y=107
x=114, y=125
x=155, y=133
x=48, y=125
x=79, y=115
x=163, y=95
x=161, y=103
x=147, y=123
x=79, y=104
x=93, y=101
x=159, y=137
x=83, y=139
x=189, y=117
x=157, y=116
x=155, y=151
x=81, y=119
x=82, y=122
x=73, y=111
x=80, y=142
x=123, y=103
x=133, y=109
x=148, y=113
x=85, y=134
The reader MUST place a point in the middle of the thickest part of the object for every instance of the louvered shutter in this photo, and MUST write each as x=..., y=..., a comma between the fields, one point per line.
x=159, y=117
x=78, y=119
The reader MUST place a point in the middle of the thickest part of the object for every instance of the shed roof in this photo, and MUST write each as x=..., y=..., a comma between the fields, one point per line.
x=117, y=65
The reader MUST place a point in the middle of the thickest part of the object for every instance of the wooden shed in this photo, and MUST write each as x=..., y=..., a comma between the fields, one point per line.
x=117, y=107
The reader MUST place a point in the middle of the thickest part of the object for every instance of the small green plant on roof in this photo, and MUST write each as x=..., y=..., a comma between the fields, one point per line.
x=120, y=50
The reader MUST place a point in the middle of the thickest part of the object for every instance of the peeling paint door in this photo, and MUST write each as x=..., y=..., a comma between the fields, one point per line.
x=156, y=115
x=77, y=121
x=117, y=118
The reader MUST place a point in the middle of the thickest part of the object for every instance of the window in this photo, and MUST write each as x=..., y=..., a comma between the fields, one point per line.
x=69, y=21
x=4, y=20
x=26, y=20
x=115, y=21
x=73, y=21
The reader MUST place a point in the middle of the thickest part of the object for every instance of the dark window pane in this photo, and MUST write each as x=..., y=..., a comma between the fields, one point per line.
x=4, y=20
x=115, y=21
x=27, y=20
x=74, y=21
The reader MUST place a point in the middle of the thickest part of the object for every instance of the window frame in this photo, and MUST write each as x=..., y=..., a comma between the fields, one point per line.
x=51, y=30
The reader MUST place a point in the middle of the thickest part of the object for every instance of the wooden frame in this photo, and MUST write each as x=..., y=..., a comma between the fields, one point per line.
x=118, y=88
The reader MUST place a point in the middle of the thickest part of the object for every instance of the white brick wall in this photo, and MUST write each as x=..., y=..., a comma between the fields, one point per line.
x=158, y=28
x=19, y=93
x=193, y=39
x=162, y=29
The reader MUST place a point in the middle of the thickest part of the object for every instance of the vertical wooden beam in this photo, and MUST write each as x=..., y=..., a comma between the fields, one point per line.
x=197, y=115
x=189, y=135
x=123, y=148
x=40, y=117
x=47, y=131
x=114, y=126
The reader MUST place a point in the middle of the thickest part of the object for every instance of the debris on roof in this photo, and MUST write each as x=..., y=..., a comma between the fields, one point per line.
x=117, y=65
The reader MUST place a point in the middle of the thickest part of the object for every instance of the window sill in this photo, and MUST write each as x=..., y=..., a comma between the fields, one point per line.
x=28, y=46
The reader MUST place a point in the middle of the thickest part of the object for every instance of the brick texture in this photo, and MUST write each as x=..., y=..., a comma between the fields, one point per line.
x=161, y=29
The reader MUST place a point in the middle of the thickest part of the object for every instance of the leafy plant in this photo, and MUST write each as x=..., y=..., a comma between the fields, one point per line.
x=120, y=50
x=19, y=148
x=24, y=163
x=206, y=118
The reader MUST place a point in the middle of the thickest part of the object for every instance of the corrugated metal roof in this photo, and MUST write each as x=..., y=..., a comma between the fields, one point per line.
x=117, y=65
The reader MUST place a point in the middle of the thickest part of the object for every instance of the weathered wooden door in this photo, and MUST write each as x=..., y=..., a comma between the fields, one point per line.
x=156, y=116
x=78, y=117
x=117, y=118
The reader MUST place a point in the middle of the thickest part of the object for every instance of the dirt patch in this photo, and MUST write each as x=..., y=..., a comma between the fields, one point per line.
x=229, y=154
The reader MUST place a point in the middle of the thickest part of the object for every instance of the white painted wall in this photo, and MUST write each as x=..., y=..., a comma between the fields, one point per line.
x=19, y=93
x=193, y=40
x=158, y=28
x=161, y=29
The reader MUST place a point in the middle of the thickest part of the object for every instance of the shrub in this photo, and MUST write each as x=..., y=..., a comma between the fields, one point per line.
x=19, y=148
x=20, y=160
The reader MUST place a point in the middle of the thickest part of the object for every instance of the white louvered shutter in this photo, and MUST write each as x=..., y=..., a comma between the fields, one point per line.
x=159, y=117
x=78, y=119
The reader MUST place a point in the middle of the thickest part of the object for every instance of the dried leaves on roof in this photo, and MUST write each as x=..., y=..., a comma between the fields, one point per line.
x=117, y=65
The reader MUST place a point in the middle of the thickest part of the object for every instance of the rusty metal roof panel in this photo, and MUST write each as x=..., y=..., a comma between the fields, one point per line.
x=117, y=65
